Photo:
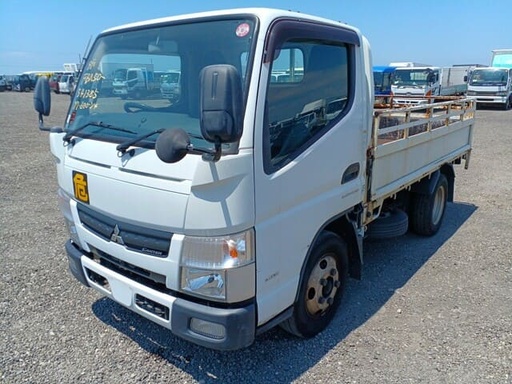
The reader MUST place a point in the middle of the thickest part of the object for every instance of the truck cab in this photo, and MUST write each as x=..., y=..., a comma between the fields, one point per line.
x=491, y=86
x=414, y=85
x=133, y=82
x=383, y=77
x=170, y=85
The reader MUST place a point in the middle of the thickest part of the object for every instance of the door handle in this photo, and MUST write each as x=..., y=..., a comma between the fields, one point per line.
x=350, y=173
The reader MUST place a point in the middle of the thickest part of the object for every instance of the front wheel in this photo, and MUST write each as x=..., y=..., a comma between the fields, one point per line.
x=323, y=283
x=428, y=210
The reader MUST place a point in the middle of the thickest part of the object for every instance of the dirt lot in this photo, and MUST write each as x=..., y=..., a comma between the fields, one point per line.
x=428, y=310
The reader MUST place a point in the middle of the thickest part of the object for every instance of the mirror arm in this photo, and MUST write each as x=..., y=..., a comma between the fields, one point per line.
x=208, y=155
x=41, y=124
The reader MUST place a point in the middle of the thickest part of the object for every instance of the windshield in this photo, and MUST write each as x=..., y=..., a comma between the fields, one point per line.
x=170, y=78
x=120, y=74
x=377, y=79
x=382, y=80
x=489, y=77
x=414, y=77
x=122, y=81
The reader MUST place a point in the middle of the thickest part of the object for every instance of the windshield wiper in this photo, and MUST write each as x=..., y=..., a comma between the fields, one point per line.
x=124, y=146
x=67, y=137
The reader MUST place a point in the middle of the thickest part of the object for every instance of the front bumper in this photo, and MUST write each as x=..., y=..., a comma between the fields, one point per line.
x=490, y=99
x=171, y=312
x=120, y=91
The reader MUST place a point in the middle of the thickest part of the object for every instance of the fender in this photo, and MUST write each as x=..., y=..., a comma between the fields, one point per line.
x=426, y=186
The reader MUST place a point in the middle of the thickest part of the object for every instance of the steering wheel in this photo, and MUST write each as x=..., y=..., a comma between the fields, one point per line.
x=132, y=107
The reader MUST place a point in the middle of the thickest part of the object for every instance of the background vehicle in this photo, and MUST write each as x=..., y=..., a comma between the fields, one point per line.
x=54, y=82
x=493, y=85
x=207, y=239
x=383, y=78
x=420, y=85
x=66, y=83
x=9, y=80
x=170, y=85
x=501, y=58
x=3, y=83
x=21, y=83
x=134, y=82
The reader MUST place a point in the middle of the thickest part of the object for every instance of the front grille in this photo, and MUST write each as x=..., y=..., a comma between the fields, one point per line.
x=148, y=241
x=485, y=93
x=141, y=275
x=152, y=306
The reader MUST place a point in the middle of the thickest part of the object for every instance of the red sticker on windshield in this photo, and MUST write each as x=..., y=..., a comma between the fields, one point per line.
x=242, y=30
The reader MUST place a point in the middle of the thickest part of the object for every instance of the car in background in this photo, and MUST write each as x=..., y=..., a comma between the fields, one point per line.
x=54, y=82
x=66, y=84
x=21, y=83
x=9, y=80
x=3, y=83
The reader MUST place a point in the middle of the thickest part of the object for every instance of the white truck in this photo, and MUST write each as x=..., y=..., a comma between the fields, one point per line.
x=170, y=85
x=421, y=85
x=493, y=85
x=135, y=82
x=245, y=204
x=501, y=58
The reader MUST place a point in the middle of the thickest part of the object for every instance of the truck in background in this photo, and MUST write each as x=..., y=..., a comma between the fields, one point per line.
x=501, y=58
x=170, y=85
x=183, y=212
x=421, y=85
x=382, y=79
x=134, y=82
x=493, y=85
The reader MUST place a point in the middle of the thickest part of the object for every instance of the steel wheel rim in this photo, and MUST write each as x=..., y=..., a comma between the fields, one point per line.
x=437, y=212
x=323, y=284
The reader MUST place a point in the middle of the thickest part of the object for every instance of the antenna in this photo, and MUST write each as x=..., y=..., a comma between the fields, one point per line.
x=84, y=58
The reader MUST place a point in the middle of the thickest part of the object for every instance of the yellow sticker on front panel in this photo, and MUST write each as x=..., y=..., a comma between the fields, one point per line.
x=80, y=186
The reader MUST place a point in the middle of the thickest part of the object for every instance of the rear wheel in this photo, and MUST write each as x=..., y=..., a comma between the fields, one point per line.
x=427, y=211
x=322, y=286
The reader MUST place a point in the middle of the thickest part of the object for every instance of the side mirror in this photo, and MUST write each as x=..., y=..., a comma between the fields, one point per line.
x=42, y=99
x=172, y=145
x=221, y=104
x=466, y=78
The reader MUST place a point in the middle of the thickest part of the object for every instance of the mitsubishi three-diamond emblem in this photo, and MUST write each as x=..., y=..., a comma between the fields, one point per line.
x=116, y=238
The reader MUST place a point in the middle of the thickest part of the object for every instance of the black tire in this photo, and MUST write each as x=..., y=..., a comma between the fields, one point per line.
x=323, y=283
x=388, y=225
x=427, y=211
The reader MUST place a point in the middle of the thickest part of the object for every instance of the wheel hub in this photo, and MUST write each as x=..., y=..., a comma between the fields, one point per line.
x=322, y=286
x=438, y=209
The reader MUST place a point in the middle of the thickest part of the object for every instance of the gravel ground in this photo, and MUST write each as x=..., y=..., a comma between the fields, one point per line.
x=428, y=310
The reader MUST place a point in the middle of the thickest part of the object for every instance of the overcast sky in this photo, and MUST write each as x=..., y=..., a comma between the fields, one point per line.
x=45, y=34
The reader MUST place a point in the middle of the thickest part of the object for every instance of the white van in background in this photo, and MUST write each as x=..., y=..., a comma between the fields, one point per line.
x=66, y=83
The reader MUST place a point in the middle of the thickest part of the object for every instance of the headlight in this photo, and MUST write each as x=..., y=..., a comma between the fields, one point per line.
x=471, y=93
x=220, y=252
x=65, y=209
x=502, y=93
x=220, y=268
